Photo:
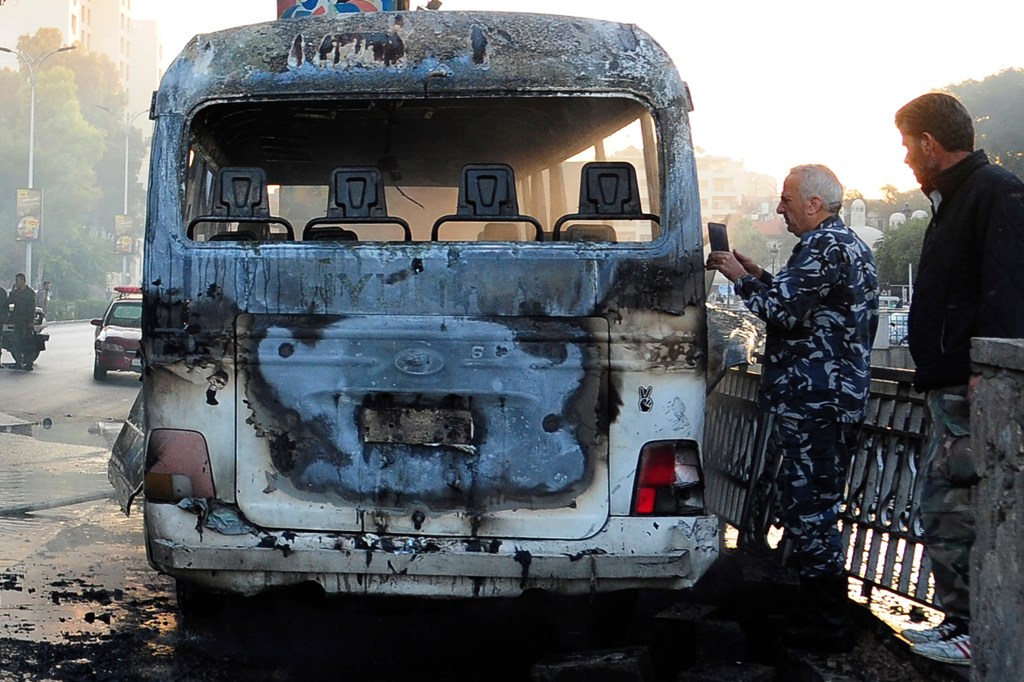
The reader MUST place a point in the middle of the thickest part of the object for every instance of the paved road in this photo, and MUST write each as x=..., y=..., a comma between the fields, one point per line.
x=60, y=426
x=62, y=389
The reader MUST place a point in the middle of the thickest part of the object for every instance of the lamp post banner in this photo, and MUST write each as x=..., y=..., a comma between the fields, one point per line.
x=123, y=240
x=29, y=209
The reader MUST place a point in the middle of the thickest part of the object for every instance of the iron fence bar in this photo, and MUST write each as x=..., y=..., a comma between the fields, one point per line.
x=880, y=518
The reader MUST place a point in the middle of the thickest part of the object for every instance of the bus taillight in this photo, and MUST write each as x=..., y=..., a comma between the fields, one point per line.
x=669, y=480
x=178, y=466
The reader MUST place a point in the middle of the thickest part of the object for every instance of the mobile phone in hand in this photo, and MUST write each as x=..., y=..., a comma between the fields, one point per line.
x=718, y=236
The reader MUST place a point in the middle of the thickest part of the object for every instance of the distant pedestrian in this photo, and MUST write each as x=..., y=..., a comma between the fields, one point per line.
x=821, y=314
x=969, y=283
x=43, y=297
x=3, y=321
x=23, y=315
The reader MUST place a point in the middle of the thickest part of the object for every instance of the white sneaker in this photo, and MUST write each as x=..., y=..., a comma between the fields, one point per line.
x=939, y=633
x=955, y=651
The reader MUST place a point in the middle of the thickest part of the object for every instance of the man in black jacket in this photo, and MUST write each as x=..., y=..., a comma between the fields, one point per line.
x=969, y=284
x=23, y=315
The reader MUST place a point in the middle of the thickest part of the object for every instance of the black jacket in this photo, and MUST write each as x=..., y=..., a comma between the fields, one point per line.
x=970, y=281
x=24, y=300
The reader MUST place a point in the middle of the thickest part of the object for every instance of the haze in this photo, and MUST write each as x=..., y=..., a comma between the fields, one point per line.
x=773, y=83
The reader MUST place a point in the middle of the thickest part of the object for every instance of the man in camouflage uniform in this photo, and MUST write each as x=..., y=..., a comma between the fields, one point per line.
x=821, y=314
x=969, y=284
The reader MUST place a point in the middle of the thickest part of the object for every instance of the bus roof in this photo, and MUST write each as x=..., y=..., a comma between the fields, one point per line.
x=433, y=53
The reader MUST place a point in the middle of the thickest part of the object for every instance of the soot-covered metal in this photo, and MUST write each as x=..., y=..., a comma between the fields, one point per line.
x=519, y=398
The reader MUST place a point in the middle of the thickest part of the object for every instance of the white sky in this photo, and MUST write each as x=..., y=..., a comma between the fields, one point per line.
x=775, y=84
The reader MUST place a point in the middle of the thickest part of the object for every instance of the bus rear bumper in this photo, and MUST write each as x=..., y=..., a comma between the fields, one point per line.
x=628, y=553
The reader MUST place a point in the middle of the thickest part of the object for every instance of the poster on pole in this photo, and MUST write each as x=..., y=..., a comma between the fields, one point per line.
x=123, y=240
x=29, y=209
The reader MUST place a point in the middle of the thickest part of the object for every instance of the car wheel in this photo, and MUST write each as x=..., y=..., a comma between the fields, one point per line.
x=98, y=373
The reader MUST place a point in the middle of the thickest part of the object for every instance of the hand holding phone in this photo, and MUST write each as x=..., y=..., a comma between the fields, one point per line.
x=718, y=236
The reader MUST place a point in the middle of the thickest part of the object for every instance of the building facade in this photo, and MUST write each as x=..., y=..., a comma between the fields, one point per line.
x=728, y=189
x=101, y=26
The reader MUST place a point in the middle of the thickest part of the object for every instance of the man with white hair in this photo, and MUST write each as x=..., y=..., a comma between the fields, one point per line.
x=820, y=312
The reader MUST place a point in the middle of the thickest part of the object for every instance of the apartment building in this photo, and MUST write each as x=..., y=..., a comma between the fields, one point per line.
x=18, y=17
x=728, y=189
x=102, y=26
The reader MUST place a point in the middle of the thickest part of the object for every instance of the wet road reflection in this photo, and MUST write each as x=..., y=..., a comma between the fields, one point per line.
x=100, y=434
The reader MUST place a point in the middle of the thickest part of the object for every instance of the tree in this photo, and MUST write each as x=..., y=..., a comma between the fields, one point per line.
x=899, y=247
x=996, y=103
x=78, y=159
x=890, y=195
x=768, y=252
x=748, y=241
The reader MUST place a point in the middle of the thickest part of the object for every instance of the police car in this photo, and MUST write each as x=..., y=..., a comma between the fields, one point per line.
x=118, y=334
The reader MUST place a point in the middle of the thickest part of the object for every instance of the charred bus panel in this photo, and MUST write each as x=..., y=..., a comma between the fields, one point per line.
x=423, y=311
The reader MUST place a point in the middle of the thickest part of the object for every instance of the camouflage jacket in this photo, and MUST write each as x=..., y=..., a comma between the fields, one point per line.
x=821, y=313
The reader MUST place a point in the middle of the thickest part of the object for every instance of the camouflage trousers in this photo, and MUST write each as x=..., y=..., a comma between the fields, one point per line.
x=812, y=477
x=946, y=514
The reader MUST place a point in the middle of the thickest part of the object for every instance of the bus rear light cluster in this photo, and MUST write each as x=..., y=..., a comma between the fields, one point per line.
x=669, y=480
x=177, y=466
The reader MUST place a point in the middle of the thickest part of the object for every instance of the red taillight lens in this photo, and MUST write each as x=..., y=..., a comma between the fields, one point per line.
x=177, y=466
x=668, y=480
x=658, y=465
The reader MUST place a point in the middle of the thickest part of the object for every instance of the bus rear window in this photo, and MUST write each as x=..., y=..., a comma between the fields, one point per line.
x=352, y=171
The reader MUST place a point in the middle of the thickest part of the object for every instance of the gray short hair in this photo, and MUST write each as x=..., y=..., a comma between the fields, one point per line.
x=819, y=181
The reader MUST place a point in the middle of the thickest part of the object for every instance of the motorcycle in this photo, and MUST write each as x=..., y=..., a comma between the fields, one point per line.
x=39, y=338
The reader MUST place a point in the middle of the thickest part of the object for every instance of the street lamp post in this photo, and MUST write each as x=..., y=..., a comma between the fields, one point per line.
x=32, y=64
x=129, y=119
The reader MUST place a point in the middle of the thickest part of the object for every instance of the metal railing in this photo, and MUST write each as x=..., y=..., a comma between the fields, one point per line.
x=881, y=525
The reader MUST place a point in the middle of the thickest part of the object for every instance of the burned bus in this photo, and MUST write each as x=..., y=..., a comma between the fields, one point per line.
x=423, y=311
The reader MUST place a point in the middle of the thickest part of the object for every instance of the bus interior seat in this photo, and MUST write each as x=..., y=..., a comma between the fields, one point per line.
x=487, y=193
x=267, y=232
x=608, y=191
x=500, y=232
x=589, y=233
x=330, y=233
x=234, y=236
x=355, y=196
x=240, y=196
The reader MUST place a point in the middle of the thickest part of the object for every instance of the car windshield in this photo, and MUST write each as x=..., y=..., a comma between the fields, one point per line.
x=127, y=314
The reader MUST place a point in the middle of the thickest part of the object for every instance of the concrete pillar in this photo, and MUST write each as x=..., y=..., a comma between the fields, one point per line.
x=997, y=560
x=881, y=339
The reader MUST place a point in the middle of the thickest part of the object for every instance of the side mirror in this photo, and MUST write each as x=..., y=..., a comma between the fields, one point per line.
x=96, y=323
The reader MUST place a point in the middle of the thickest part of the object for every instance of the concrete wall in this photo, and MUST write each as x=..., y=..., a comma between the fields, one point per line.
x=997, y=562
x=897, y=357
